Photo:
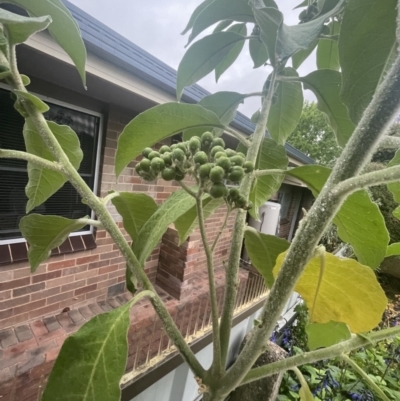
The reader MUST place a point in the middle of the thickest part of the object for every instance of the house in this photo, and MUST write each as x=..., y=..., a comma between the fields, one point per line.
x=86, y=275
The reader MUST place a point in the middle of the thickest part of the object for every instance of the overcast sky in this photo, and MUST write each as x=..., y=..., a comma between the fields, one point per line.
x=155, y=26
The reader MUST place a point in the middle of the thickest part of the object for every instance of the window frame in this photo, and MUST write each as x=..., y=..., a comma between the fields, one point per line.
x=98, y=155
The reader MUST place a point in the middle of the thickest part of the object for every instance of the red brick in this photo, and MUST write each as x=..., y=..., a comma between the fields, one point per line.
x=5, y=295
x=45, y=294
x=14, y=302
x=61, y=265
x=24, y=367
x=39, y=328
x=86, y=289
x=59, y=281
x=44, y=311
x=87, y=259
x=20, y=348
x=74, y=270
x=29, y=307
x=46, y=276
x=9, y=285
x=108, y=269
x=28, y=289
x=72, y=286
x=60, y=297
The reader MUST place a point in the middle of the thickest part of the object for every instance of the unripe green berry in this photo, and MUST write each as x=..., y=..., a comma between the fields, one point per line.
x=219, y=154
x=182, y=146
x=138, y=169
x=154, y=154
x=146, y=152
x=179, y=175
x=207, y=137
x=234, y=193
x=194, y=144
x=173, y=146
x=218, y=142
x=248, y=167
x=204, y=171
x=237, y=160
x=230, y=152
x=217, y=174
x=165, y=149
x=241, y=155
x=241, y=201
x=236, y=174
x=167, y=158
x=249, y=206
x=157, y=164
x=219, y=190
x=145, y=165
x=200, y=158
x=224, y=162
x=178, y=154
x=168, y=174
x=216, y=149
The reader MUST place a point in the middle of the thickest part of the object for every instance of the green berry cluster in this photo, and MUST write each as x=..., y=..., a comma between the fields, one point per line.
x=204, y=158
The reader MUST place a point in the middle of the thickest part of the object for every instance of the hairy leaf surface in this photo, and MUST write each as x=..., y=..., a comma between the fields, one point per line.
x=44, y=233
x=19, y=28
x=92, y=361
x=322, y=335
x=356, y=220
x=234, y=53
x=43, y=182
x=159, y=123
x=286, y=111
x=135, y=210
x=64, y=28
x=326, y=84
x=177, y=204
x=366, y=42
x=271, y=156
x=349, y=292
x=263, y=251
x=203, y=57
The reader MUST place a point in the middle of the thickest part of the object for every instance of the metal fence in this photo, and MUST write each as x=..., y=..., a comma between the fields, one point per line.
x=194, y=322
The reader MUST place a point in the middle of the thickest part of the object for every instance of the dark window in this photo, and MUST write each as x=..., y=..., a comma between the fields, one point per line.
x=13, y=174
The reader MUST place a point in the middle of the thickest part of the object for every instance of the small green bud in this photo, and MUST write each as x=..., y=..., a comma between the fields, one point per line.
x=182, y=146
x=207, y=137
x=219, y=154
x=234, y=193
x=217, y=174
x=224, y=162
x=178, y=154
x=146, y=152
x=216, y=149
x=154, y=154
x=145, y=165
x=230, y=152
x=194, y=144
x=165, y=149
x=248, y=167
x=204, y=171
x=168, y=174
x=200, y=158
x=237, y=160
x=241, y=201
x=138, y=169
x=236, y=174
x=219, y=190
x=218, y=142
x=157, y=164
x=167, y=158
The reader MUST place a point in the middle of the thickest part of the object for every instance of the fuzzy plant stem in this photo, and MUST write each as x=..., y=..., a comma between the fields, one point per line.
x=377, y=118
x=232, y=270
x=318, y=355
x=106, y=219
x=216, y=366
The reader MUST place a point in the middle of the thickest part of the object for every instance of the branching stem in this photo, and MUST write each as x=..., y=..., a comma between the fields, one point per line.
x=228, y=212
x=106, y=219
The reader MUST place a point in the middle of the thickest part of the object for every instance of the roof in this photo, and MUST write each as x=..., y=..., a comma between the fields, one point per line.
x=107, y=44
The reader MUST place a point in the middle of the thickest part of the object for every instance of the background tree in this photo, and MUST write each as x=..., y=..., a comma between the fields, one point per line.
x=314, y=137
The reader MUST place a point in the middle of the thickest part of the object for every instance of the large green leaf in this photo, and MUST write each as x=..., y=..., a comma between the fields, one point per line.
x=159, y=123
x=92, y=361
x=18, y=28
x=64, y=29
x=326, y=84
x=272, y=156
x=223, y=104
x=328, y=50
x=269, y=20
x=43, y=182
x=286, y=111
x=348, y=292
x=195, y=14
x=44, y=233
x=258, y=52
x=291, y=39
x=263, y=251
x=302, y=55
x=188, y=222
x=203, y=57
x=231, y=57
x=135, y=210
x=218, y=10
x=322, y=335
x=177, y=204
x=38, y=103
x=356, y=220
x=366, y=41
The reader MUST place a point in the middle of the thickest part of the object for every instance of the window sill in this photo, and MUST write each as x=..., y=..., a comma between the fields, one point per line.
x=18, y=252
